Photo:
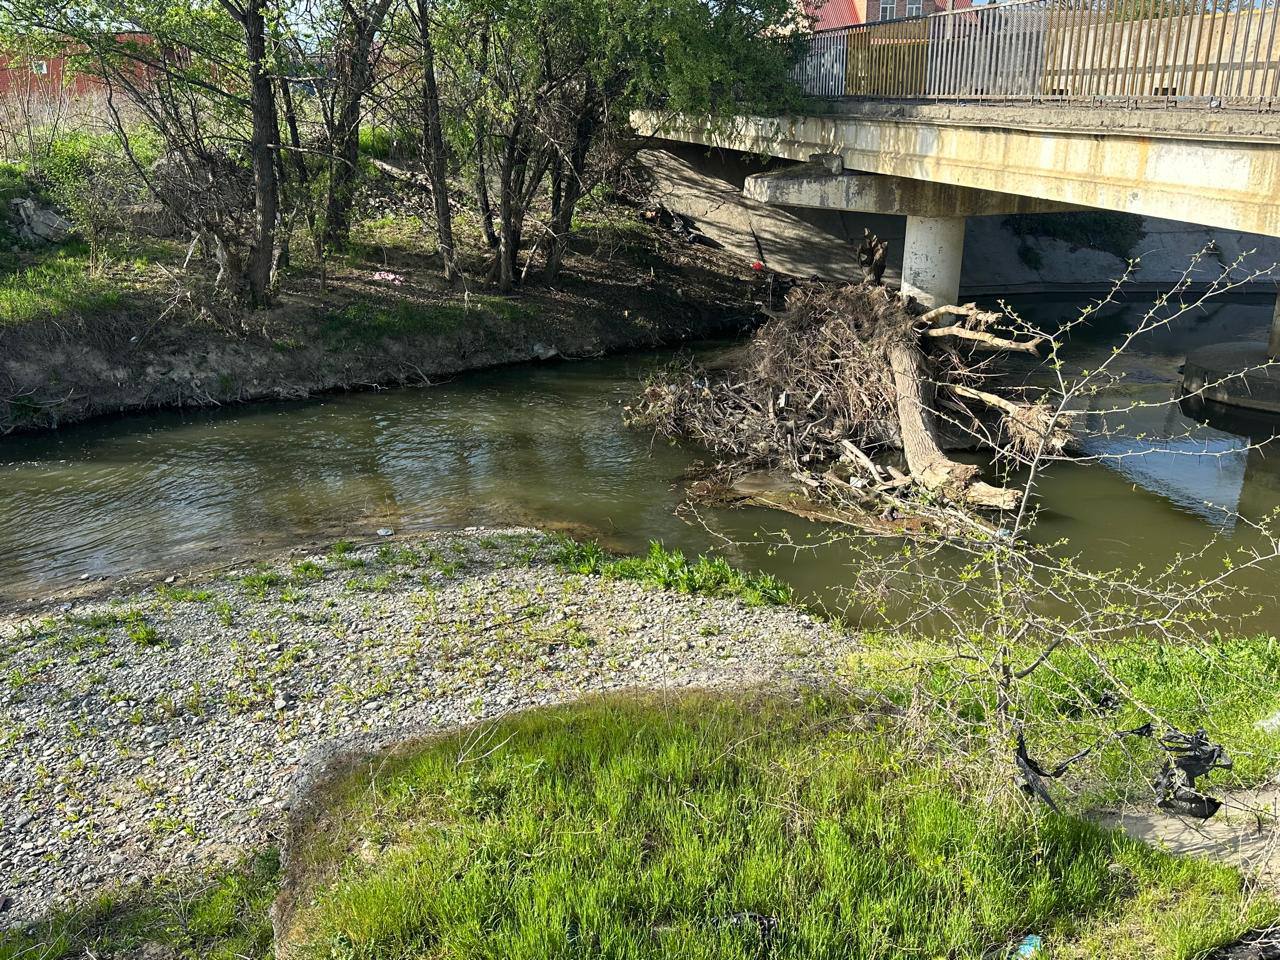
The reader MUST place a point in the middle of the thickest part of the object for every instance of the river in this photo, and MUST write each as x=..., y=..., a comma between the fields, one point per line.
x=544, y=445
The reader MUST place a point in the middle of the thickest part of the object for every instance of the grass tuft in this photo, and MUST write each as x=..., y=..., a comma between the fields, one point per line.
x=665, y=569
x=721, y=827
x=221, y=916
x=1224, y=686
x=371, y=323
x=60, y=284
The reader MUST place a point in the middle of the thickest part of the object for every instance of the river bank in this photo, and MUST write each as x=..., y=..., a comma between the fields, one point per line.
x=126, y=335
x=170, y=728
x=164, y=745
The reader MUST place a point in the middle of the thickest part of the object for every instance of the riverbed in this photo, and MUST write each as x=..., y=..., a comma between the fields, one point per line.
x=544, y=445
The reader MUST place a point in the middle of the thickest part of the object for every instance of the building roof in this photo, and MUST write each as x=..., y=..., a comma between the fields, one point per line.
x=829, y=14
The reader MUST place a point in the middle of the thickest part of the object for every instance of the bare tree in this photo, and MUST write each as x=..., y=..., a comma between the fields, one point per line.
x=351, y=32
x=206, y=89
x=1022, y=650
x=434, y=155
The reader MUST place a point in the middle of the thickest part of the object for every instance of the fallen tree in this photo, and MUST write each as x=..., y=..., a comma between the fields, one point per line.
x=858, y=395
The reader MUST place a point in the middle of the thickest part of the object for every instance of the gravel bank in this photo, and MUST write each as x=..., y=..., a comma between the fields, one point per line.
x=167, y=729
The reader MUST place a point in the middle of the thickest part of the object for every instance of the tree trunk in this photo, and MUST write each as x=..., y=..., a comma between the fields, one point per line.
x=264, y=147
x=562, y=224
x=926, y=461
x=298, y=161
x=510, y=194
x=571, y=192
x=433, y=146
x=920, y=443
x=355, y=76
x=231, y=276
x=483, y=202
x=342, y=177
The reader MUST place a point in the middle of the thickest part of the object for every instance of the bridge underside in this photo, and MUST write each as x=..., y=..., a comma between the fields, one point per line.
x=939, y=163
x=1219, y=170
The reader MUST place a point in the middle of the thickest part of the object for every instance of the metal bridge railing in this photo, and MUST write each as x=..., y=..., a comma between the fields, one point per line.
x=1194, y=52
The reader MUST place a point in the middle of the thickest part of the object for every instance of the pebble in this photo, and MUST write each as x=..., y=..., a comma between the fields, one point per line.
x=130, y=760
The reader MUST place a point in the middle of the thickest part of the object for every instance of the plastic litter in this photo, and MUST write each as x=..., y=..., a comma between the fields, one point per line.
x=1188, y=756
x=1254, y=945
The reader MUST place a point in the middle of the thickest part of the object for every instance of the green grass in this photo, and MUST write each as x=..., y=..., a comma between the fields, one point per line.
x=262, y=581
x=13, y=184
x=143, y=634
x=385, y=143
x=222, y=916
x=625, y=828
x=60, y=284
x=370, y=239
x=609, y=224
x=670, y=570
x=1224, y=686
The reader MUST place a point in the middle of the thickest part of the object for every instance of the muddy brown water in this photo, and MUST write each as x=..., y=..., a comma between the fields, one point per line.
x=544, y=445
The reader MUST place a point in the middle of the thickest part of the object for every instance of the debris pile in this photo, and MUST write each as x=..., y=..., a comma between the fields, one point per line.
x=857, y=394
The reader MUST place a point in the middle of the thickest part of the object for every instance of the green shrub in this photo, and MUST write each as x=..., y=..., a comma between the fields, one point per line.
x=73, y=157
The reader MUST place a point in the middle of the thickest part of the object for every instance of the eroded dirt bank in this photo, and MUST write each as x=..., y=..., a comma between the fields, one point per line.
x=366, y=328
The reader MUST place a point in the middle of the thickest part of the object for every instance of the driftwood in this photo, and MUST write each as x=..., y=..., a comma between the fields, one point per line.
x=855, y=378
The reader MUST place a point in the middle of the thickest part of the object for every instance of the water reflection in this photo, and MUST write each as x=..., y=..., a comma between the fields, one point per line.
x=544, y=445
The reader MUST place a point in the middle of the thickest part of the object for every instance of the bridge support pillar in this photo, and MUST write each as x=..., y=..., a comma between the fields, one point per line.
x=1273, y=347
x=931, y=256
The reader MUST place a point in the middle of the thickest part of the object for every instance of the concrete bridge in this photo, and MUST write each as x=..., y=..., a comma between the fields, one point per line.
x=1030, y=106
x=939, y=163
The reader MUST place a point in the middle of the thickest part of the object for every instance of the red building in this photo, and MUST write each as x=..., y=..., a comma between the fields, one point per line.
x=40, y=75
x=830, y=14
x=49, y=72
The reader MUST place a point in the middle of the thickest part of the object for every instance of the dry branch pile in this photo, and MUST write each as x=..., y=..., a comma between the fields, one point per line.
x=846, y=377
